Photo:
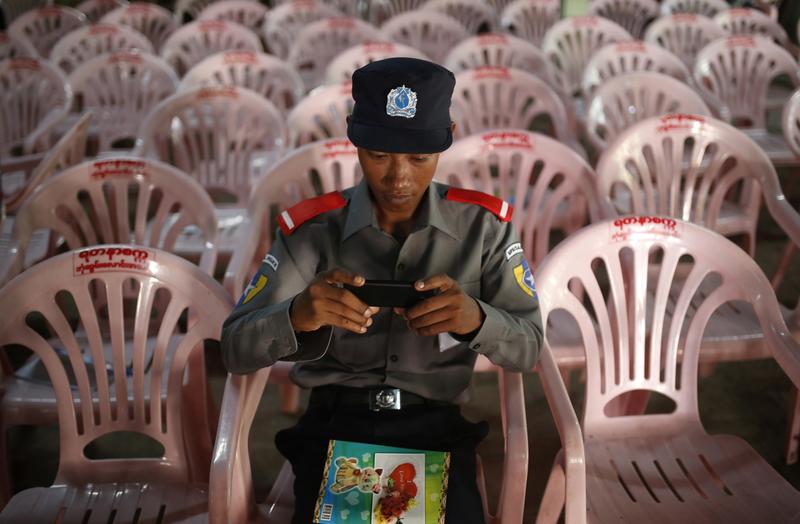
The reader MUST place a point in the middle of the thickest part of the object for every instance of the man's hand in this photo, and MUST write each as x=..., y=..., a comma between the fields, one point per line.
x=450, y=311
x=323, y=303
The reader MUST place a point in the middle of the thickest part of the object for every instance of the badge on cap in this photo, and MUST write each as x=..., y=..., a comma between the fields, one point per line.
x=401, y=101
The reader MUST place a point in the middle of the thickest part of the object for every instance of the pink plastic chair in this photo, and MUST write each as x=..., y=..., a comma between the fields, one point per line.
x=110, y=392
x=248, y=13
x=88, y=42
x=475, y=15
x=320, y=42
x=334, y=161
x=683, y=34
x=265, y=74
x=189, y=10
x=631, y=57
x=382, y=10
x=624, y=100
x=791, y=123
x=12, y=9
x=163, y=201
x=97, y=9
x=530, y=19
x=570, y=44
x=494, y=49
x=433, y=33
x=735, y=73
x=551, y=187
x=231, y=497
x=633, y=15
x=120, y=89
x=151, y=20
x=8, y=47
x=743, y=21
x=68, y=151
x=642, y=331
x=224, y=136
x=287, y=20
x=499, y=97
x=190, y=44
x=320, y=115
x=35, y=98
x=342, y=67
x=38, y=30
x=707, y=8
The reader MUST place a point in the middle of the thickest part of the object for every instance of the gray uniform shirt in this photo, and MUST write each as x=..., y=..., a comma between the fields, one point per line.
x=463, y=240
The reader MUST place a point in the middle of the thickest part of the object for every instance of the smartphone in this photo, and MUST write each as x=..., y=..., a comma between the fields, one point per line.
x=389, y=293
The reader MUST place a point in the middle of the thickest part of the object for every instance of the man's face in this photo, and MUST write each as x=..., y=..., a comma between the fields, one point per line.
x=398, y=181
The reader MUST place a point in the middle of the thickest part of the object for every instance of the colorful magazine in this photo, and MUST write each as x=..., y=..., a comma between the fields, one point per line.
x=371, y=484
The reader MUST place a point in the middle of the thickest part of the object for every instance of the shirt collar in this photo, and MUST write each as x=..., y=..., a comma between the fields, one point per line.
x=361, y=214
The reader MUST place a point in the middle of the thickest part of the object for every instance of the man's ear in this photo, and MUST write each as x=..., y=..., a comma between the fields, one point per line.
x=452, y=126
x=347, y=119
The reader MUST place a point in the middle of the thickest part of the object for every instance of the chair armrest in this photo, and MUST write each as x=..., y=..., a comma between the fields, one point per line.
x=230, y=496
x=511, y=505
x=40, y=138
x=239, y=264
x=785, y=349
x=569, y=430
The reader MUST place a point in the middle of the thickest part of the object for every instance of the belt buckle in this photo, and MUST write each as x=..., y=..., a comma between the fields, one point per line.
x=384, y=398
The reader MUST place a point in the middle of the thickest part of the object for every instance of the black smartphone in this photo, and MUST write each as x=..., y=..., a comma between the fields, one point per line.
x=389, y=293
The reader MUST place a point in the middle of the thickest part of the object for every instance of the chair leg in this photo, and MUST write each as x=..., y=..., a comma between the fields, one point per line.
x=5, y=470
x=290, y=399
x=793, y=436
x=554, y=496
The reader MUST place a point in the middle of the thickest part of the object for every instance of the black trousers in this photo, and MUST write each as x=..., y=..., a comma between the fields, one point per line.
x=437, y=428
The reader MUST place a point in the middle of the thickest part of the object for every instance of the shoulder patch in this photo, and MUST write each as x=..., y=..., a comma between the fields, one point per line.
x=502, y=209
x=302, y=212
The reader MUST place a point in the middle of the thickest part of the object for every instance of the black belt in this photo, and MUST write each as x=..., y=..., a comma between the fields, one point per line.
x=374, y=399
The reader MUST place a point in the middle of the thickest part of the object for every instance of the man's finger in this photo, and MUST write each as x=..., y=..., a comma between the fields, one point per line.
x=434, y=317
x=332, y=319
x=339, y=309
x=342, y=276
x=347, y=298
x=441, y=282
x=429, y=304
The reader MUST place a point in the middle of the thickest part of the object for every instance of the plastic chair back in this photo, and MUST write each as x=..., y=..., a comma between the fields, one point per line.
x=8, y=47
x=34, y=96
x=631, y=57
x=686, y=167
x=633, y=15
x=734, y=75
x=320, y=115
x=189, y=10
x=570, y=44
x=382, y=10
x=11, y=9
x=707, y=8
x=498, y=50
x=120, y=89
x=38, y=30
x=324, y=166
x=97, y=9
x=265, y=74
x=791, y=123
x=342, y=67
x=499, y=97
x=248, y=13
x=530, y=19
x=537, y=174
x=224, y=136
x=744, y=21
x=649, y=286
x=193, y=42
x=117, y=200
x=151, y=20
x=68, y=289
x=288, y=19
x=433, y=33
x=475, y=15
x=683, y=34
x=88, y=42
x=624, y=100
x=318, y=43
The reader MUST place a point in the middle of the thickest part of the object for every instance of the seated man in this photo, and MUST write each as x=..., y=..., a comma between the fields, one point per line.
x=394, y=225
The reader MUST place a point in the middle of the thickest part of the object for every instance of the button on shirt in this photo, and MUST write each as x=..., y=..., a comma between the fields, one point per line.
x=462, y=240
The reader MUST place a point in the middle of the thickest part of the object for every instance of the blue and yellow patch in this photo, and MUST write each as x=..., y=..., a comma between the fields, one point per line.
x=524, y=277
x=258, y=283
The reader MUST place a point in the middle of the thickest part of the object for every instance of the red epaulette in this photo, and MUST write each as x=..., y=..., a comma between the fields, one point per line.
x=304, y=211
x=499, y=207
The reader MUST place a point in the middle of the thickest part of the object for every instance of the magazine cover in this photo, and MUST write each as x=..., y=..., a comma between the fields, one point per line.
x=372, y=484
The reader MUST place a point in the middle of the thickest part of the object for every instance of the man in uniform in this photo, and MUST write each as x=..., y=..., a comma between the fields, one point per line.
x=382, y=375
